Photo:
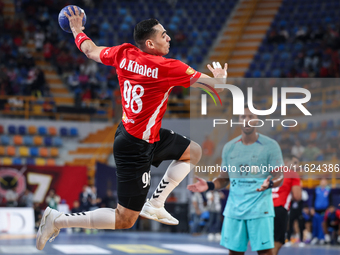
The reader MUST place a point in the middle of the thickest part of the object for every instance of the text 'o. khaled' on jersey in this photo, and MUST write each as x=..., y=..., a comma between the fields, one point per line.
x=134, y=67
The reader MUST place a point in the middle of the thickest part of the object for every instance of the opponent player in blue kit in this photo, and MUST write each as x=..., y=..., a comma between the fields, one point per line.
x=249, y=213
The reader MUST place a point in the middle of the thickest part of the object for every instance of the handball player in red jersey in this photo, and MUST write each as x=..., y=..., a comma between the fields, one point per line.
x=282, y=196
x=145, y=79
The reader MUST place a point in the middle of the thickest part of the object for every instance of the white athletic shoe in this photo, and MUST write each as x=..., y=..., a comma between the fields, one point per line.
x=327, y=238
x=211, y=237
x=322, y=242
x=157, y=214
x=288, y=244
x=47, y=229
x=314, y=241
x=217, y=237
x=302, y=244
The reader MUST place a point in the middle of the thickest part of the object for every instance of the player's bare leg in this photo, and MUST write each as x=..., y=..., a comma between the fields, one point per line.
x=235, y=252
x=265, y=252
x=176, y=172
x=277, y=247
x=103, y=218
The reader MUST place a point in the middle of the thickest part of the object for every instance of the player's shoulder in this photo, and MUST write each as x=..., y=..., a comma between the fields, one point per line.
x=232, y=142
x=291, y=174
x=117, y=49
x=266, y=140
x=172, y=62
x=128, y=46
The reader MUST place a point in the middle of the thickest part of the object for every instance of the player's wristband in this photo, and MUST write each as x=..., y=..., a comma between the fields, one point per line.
x=271, y=184
x=211, y=185
x=80, y=38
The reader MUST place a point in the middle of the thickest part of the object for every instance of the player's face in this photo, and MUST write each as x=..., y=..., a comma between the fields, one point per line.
x=161, y=41
x=294, y=163
x=331, y=209
x=323, y=183
x=247, y=116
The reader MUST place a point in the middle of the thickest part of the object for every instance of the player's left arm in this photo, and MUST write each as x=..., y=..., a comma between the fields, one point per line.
x=296, y=187
x=296, y=193
x=88, y=47
x=275, y=160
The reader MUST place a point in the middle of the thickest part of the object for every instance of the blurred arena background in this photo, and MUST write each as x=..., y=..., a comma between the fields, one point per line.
x=59, y=111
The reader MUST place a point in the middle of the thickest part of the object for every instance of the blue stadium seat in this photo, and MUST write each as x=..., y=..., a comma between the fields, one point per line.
x=100, y=112
x=42, y=130
x=262, y=66
x=257, y=58
x=48, y=141
x=257, y=74
x=329, y=101
x=274, y=65
x=266, y=56
x=30, y=161
x=284, y=55
x=268, y=74
x=248, y=74
x=334, y=133
x=5, y=140
x=12, y=130
x=318, y=124
x=34, y=152
x=330, y=124
x=57, y=141
x=320, y=158
x=281, y=47
x=22, y=130
x=63, y=131
x=28, y=140
x=16, y=161
x=310, y=125
x=252, y=66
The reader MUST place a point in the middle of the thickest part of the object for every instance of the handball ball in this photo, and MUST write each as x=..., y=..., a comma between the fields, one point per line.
x=63, y=20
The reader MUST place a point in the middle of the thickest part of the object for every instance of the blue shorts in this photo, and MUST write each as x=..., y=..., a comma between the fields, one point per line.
x=237, y=233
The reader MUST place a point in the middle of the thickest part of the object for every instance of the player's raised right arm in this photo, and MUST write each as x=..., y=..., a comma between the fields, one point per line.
x=85, y=44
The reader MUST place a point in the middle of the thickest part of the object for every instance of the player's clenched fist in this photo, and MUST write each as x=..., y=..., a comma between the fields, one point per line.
x=200, y=186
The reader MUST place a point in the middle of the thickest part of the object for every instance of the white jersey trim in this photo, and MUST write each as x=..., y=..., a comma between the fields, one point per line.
x=152, y=120
x=288, y=200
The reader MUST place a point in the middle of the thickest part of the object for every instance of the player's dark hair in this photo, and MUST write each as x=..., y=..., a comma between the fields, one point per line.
x=143, y=31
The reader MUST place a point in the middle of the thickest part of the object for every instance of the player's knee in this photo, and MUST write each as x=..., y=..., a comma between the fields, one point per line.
x=265, y=252
x=195, y=152
x=128, y=223
x=125, y=219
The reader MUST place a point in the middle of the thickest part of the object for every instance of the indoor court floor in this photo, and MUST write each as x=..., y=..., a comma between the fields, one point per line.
x=127, y=242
